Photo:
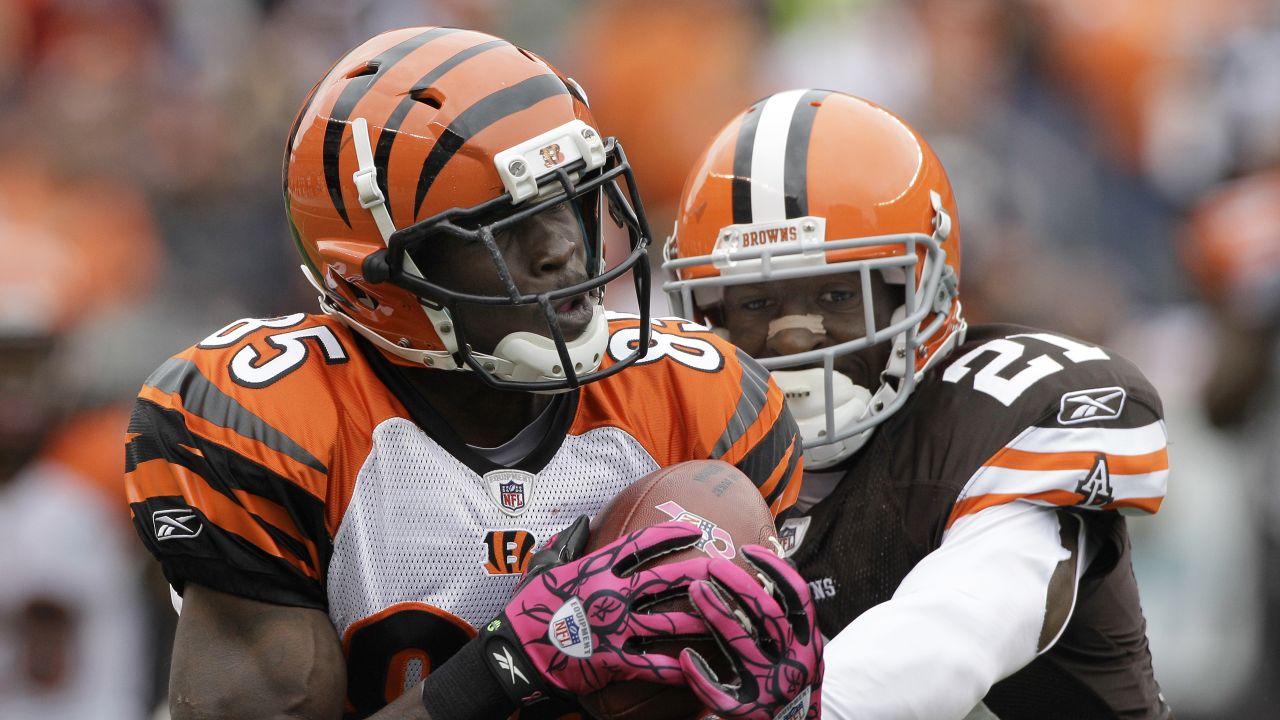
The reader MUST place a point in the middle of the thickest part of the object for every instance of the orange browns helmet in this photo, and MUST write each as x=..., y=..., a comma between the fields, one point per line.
x=814, y=182
x=426, y=133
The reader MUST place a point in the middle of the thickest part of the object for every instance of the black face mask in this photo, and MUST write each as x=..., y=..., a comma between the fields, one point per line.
x=484, y=222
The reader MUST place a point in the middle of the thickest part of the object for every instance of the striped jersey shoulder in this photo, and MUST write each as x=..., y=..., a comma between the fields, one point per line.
x=235, y=444
x=693, y=396
x=1048, y=419
x=289, y=371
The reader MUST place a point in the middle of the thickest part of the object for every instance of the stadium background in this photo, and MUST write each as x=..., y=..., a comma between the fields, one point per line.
x=1113, y=161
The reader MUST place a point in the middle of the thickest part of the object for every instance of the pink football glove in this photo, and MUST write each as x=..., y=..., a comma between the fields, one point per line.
x=566, y=630
x=774, y=642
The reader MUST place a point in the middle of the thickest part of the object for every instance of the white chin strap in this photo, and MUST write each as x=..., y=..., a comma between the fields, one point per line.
x=530, y=357
x=850, y=404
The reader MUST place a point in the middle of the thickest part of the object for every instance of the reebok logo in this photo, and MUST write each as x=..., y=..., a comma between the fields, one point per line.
x=1094, y=405
x=176, y=524
x=508, y=663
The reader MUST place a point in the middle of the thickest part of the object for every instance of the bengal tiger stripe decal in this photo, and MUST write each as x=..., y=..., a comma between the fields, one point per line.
x=391, y=128
x=347, y=100
x=489, y=110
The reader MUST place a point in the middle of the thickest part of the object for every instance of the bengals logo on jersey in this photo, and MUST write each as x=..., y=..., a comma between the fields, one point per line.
x=509, y=551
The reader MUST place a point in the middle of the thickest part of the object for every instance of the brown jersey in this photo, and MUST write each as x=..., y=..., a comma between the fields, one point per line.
x=1013, y=415
x=286, y=461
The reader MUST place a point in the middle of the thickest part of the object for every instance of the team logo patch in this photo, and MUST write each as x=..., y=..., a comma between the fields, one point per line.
x=1084, y=406
x=792, y=534
x=715, y=540
x=569, y=631
x=512, y=490
x=1096, y=486
x=508, y=551
x=551, y=155
x=176, y=524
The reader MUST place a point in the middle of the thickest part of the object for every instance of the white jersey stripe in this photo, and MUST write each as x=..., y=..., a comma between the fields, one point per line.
x=1112, y=441
x=768, y=159
x=996, y=480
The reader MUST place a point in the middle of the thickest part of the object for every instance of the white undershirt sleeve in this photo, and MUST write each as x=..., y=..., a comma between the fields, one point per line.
x=968, y=615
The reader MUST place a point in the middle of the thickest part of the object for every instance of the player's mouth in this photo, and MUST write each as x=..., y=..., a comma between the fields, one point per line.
x=574, y=314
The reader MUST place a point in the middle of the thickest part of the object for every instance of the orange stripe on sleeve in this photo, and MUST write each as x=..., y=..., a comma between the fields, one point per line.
x=792, y=491
x=1147, y=505
x=275, y=515
x=1117, y=464
x=1063, y=498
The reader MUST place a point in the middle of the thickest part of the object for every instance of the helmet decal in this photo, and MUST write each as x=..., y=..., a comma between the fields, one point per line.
x=484, y=113
x=347, y=100
x=770, y=181
x=391, y=128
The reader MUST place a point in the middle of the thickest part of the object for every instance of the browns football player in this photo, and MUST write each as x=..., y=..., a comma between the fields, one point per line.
x=961, y=523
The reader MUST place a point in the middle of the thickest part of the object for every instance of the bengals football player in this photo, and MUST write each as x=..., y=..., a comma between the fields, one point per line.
x=346, y=501
x=961, y=524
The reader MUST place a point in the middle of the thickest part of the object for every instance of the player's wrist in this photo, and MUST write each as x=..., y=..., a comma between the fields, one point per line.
x=465, y=689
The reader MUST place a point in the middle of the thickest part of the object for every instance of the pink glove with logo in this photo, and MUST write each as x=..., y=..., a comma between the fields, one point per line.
x=566, y=630
x=773, y=642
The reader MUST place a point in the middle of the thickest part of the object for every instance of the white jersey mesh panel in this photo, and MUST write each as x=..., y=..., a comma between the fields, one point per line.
x=415, y=528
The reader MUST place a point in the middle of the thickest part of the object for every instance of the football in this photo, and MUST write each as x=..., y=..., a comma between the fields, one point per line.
x=720, y=499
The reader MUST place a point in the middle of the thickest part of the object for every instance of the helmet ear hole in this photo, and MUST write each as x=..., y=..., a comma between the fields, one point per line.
x=369, y=68
x=428, y=96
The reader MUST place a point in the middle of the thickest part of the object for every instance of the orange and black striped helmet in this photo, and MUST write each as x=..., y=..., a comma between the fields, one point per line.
x=813, y=182
x=424, y=133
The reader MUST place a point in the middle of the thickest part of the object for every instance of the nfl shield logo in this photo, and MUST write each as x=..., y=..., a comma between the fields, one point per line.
x=512, y=494
x=511, y=490
x=791, y=535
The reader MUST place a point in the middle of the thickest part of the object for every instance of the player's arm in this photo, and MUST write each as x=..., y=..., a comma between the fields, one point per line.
x=996, y=593
x=239, y=658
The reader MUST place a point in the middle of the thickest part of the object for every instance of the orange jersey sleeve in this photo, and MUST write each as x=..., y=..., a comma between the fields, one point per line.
x=235, y=457
x=695, y=396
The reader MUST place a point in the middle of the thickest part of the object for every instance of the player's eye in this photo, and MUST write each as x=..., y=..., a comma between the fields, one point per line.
x=840, y=298
x=756, y=304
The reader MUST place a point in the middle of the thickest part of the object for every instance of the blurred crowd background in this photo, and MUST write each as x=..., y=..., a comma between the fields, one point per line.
x=1116, y=163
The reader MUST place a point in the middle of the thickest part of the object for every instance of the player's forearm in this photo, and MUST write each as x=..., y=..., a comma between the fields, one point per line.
x=904, y=661
x=971, y=613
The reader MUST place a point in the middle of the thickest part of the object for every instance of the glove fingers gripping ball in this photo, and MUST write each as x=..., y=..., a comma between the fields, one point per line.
x=727, y=507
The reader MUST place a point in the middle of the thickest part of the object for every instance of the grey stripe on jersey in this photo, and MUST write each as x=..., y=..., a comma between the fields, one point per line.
x=755, y=391
x=203, y=399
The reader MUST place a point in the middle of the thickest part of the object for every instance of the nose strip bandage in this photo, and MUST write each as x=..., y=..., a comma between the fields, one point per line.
x=812, y=323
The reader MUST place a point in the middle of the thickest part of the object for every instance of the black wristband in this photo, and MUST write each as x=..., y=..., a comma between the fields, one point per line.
x=508, y=665
x=464, y=689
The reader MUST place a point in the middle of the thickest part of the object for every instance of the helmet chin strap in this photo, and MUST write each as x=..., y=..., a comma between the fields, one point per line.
x=530, y=357
x=848, y=403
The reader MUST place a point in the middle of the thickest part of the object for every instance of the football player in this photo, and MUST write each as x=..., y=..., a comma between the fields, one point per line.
x=346, y=501
x=962, y=522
